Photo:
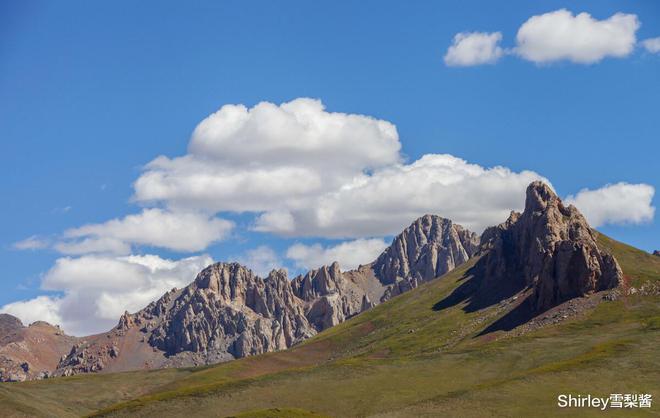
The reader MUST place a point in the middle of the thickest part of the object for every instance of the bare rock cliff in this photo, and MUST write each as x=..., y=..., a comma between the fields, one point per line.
x=229, y=309
x=430, y=247
x=549, y=248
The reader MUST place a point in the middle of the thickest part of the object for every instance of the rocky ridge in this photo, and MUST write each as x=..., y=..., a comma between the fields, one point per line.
x=430, y=247
x=538, y=259
x=229, y=312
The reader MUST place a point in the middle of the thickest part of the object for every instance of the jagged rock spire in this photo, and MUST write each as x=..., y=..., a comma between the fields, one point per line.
x=549, y=247
x=430, y=247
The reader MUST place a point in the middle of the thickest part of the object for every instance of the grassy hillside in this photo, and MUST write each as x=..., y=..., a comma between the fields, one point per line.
x=402, y=358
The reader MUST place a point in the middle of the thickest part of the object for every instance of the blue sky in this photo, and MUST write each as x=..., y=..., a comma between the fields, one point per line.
x=90, y=93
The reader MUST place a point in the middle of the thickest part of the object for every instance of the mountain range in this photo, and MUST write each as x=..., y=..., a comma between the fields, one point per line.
x=440, y=287
x=228, y=312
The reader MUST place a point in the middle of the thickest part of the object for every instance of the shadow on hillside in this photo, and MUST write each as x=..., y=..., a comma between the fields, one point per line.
x=478, y=294
x=517, y=316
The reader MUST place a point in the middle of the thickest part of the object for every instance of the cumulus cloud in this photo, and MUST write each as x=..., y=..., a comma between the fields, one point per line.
x=474, y=48
x=384, y=202
x=620, y=203
x=96, y=290
x=580, y=38
x=308, y=172
x=554, y=36
x=349, y=254
x=652, y=45
x=261, y=260
x=252, y=159
x=178, y=231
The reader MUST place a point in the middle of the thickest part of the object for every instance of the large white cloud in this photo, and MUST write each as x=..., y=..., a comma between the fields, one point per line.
x=620, y=203
x=560, y=35
x=178, y=231
x=96, y=290
x=652, y=45
x=474, y=48
x=309, y=172
x=349, y=254
x=244, y=159
x=384, y=202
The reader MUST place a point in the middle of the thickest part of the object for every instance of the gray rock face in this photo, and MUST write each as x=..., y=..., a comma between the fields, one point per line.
x=228, y=308
x=9, y=324
x=430, y=247
x=550, y=248
x=331, y=297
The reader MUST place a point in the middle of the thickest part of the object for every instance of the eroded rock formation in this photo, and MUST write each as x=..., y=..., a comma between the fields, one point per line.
x=550, y=248
x=229, y=312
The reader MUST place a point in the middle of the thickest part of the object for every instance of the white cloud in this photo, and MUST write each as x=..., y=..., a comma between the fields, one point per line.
x=560, y=35
x=652, y=45
x=348, y=254
x=93, y=245
x=41, y=308
x=620, y=203
x=32, y=243
x=96, y=290
x=178, y=231
x=261, y=260
x=308, y=172
x=474, y=48
x=255, y=159
x=386, y=201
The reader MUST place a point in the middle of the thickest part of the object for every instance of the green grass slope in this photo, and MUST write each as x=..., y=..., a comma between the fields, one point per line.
x=402, y=358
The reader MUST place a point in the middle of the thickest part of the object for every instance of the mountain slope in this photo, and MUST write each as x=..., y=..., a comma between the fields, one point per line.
x=30, y=352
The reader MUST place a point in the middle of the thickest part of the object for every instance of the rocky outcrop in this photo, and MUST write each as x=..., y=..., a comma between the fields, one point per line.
x=229, y=309
x=430, y=247
x=32, y=352
x=549, y=248
x=229, y=312
x=331, y=297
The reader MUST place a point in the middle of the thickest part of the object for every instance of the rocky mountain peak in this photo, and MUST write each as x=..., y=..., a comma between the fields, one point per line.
x=9, y=324
x=551, y=248
x=317, y=282
x=430, y=247
x=538, y=196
